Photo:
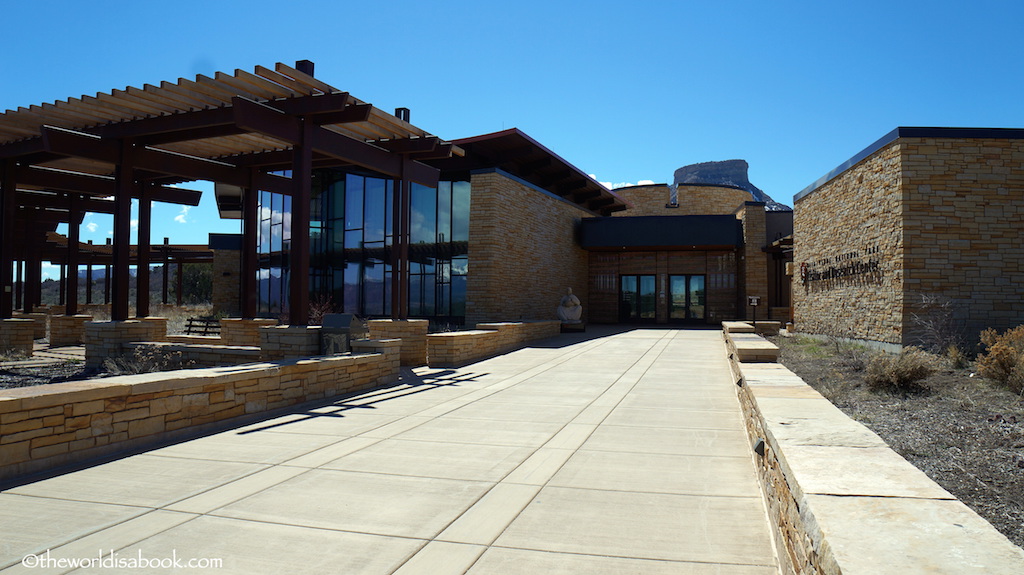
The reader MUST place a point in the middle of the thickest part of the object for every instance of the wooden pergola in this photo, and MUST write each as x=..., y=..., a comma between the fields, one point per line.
x=241, y=131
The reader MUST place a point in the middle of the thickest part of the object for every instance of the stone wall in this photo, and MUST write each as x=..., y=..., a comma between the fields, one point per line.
x=227, y=274
x=522, y=251
x=850, y=222
x=68, y=329
x=920, y=218
x=288, y=341
x=693, y=200
x=51, y=425
x=238, y=331
x=412, y=332
x=841, y=501
x=105, y=339
x=963, y=239
x=457, y=348
x=753, y=262
x=16, y=335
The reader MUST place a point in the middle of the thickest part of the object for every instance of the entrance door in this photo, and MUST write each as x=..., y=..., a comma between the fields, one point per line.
x=637, y=298
x=688, y=298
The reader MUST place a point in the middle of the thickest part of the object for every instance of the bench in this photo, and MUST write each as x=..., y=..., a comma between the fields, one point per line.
x=202, y=326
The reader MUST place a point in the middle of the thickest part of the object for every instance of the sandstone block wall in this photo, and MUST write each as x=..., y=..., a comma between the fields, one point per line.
x=856, y=218
x=754, y=262
x=693, y=200
x=16, y=335
x=39, y=325
x=522, y=252
x=68, y=329
x=289, y=341
x=453, y=349
x=193, y=355
x=238, y=331
x=841, y=501
x=227, y=270
x=413, y=334
x=963, y=238
x=105, y=339
x=52, y=425
x=940, y=218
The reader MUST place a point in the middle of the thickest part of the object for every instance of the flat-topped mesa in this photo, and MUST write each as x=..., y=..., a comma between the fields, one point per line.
x=726, y=173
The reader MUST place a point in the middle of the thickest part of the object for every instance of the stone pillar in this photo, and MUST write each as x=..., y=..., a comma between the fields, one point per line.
x=390, y=367
x=16, y=335
x=68, y=329
x=237, y=331
x=226, y=276
x=104, y=339
x=754, y=267
x=158, y=328
x=289, y=341
x=412, y=332
x=39, y=327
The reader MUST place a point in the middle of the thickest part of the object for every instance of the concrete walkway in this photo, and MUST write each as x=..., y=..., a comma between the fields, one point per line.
x=582, y=454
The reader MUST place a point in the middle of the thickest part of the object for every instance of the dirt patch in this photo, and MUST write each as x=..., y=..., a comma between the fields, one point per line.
x=963, y=431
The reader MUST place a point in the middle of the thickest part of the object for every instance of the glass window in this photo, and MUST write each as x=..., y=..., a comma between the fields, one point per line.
x=373, y=224
x=424, y=215
x=460, y=211
x=354, y=202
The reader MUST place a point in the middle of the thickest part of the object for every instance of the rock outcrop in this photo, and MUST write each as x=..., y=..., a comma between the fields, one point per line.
x=729, y=173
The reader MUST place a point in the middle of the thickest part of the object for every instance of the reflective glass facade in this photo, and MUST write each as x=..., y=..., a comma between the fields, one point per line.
x=351, y=238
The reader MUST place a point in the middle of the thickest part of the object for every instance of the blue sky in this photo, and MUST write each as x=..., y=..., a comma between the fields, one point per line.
x=626, y=91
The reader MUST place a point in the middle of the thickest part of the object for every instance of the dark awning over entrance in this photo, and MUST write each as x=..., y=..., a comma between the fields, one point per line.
x=663, y=232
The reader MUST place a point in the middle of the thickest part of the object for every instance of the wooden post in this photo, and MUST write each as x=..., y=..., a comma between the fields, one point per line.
x=250, y=259
x=142, y=253
x=298, y=273
x=124, y=176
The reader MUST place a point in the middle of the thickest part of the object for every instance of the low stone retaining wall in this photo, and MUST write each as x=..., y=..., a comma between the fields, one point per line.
x=63, y=423
x=412, y=332
x=200, y=355
x=284, y=341
x=750, y=348
x=841, y=501
x=456, y=348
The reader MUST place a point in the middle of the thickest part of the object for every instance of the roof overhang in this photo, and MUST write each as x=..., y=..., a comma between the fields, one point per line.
x=516, y=153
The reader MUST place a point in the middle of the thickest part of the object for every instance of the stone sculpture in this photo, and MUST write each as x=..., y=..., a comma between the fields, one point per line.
x=569, y=309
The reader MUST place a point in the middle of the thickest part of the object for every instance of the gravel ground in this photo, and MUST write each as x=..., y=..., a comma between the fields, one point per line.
x=53, y=373
x=963, y=431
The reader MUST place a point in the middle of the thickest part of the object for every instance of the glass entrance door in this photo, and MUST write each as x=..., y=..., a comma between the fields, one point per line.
x=688, y=298
x=637, y=298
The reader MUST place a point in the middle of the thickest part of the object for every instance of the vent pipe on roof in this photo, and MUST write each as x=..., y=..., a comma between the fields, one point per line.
x=402, y=114
x=304, y=66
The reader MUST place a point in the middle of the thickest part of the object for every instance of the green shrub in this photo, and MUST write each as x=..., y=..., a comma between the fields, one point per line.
x=1003, y=359
x=902, y=373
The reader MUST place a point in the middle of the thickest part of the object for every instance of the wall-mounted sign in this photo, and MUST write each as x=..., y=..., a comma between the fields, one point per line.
x=849, y=264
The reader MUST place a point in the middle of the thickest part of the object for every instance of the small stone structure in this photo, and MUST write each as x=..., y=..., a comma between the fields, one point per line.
x=68, y=329
x=286, y=341
x=16, y=335
x=238, y=331
x=412, y=332
x=453, y=349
